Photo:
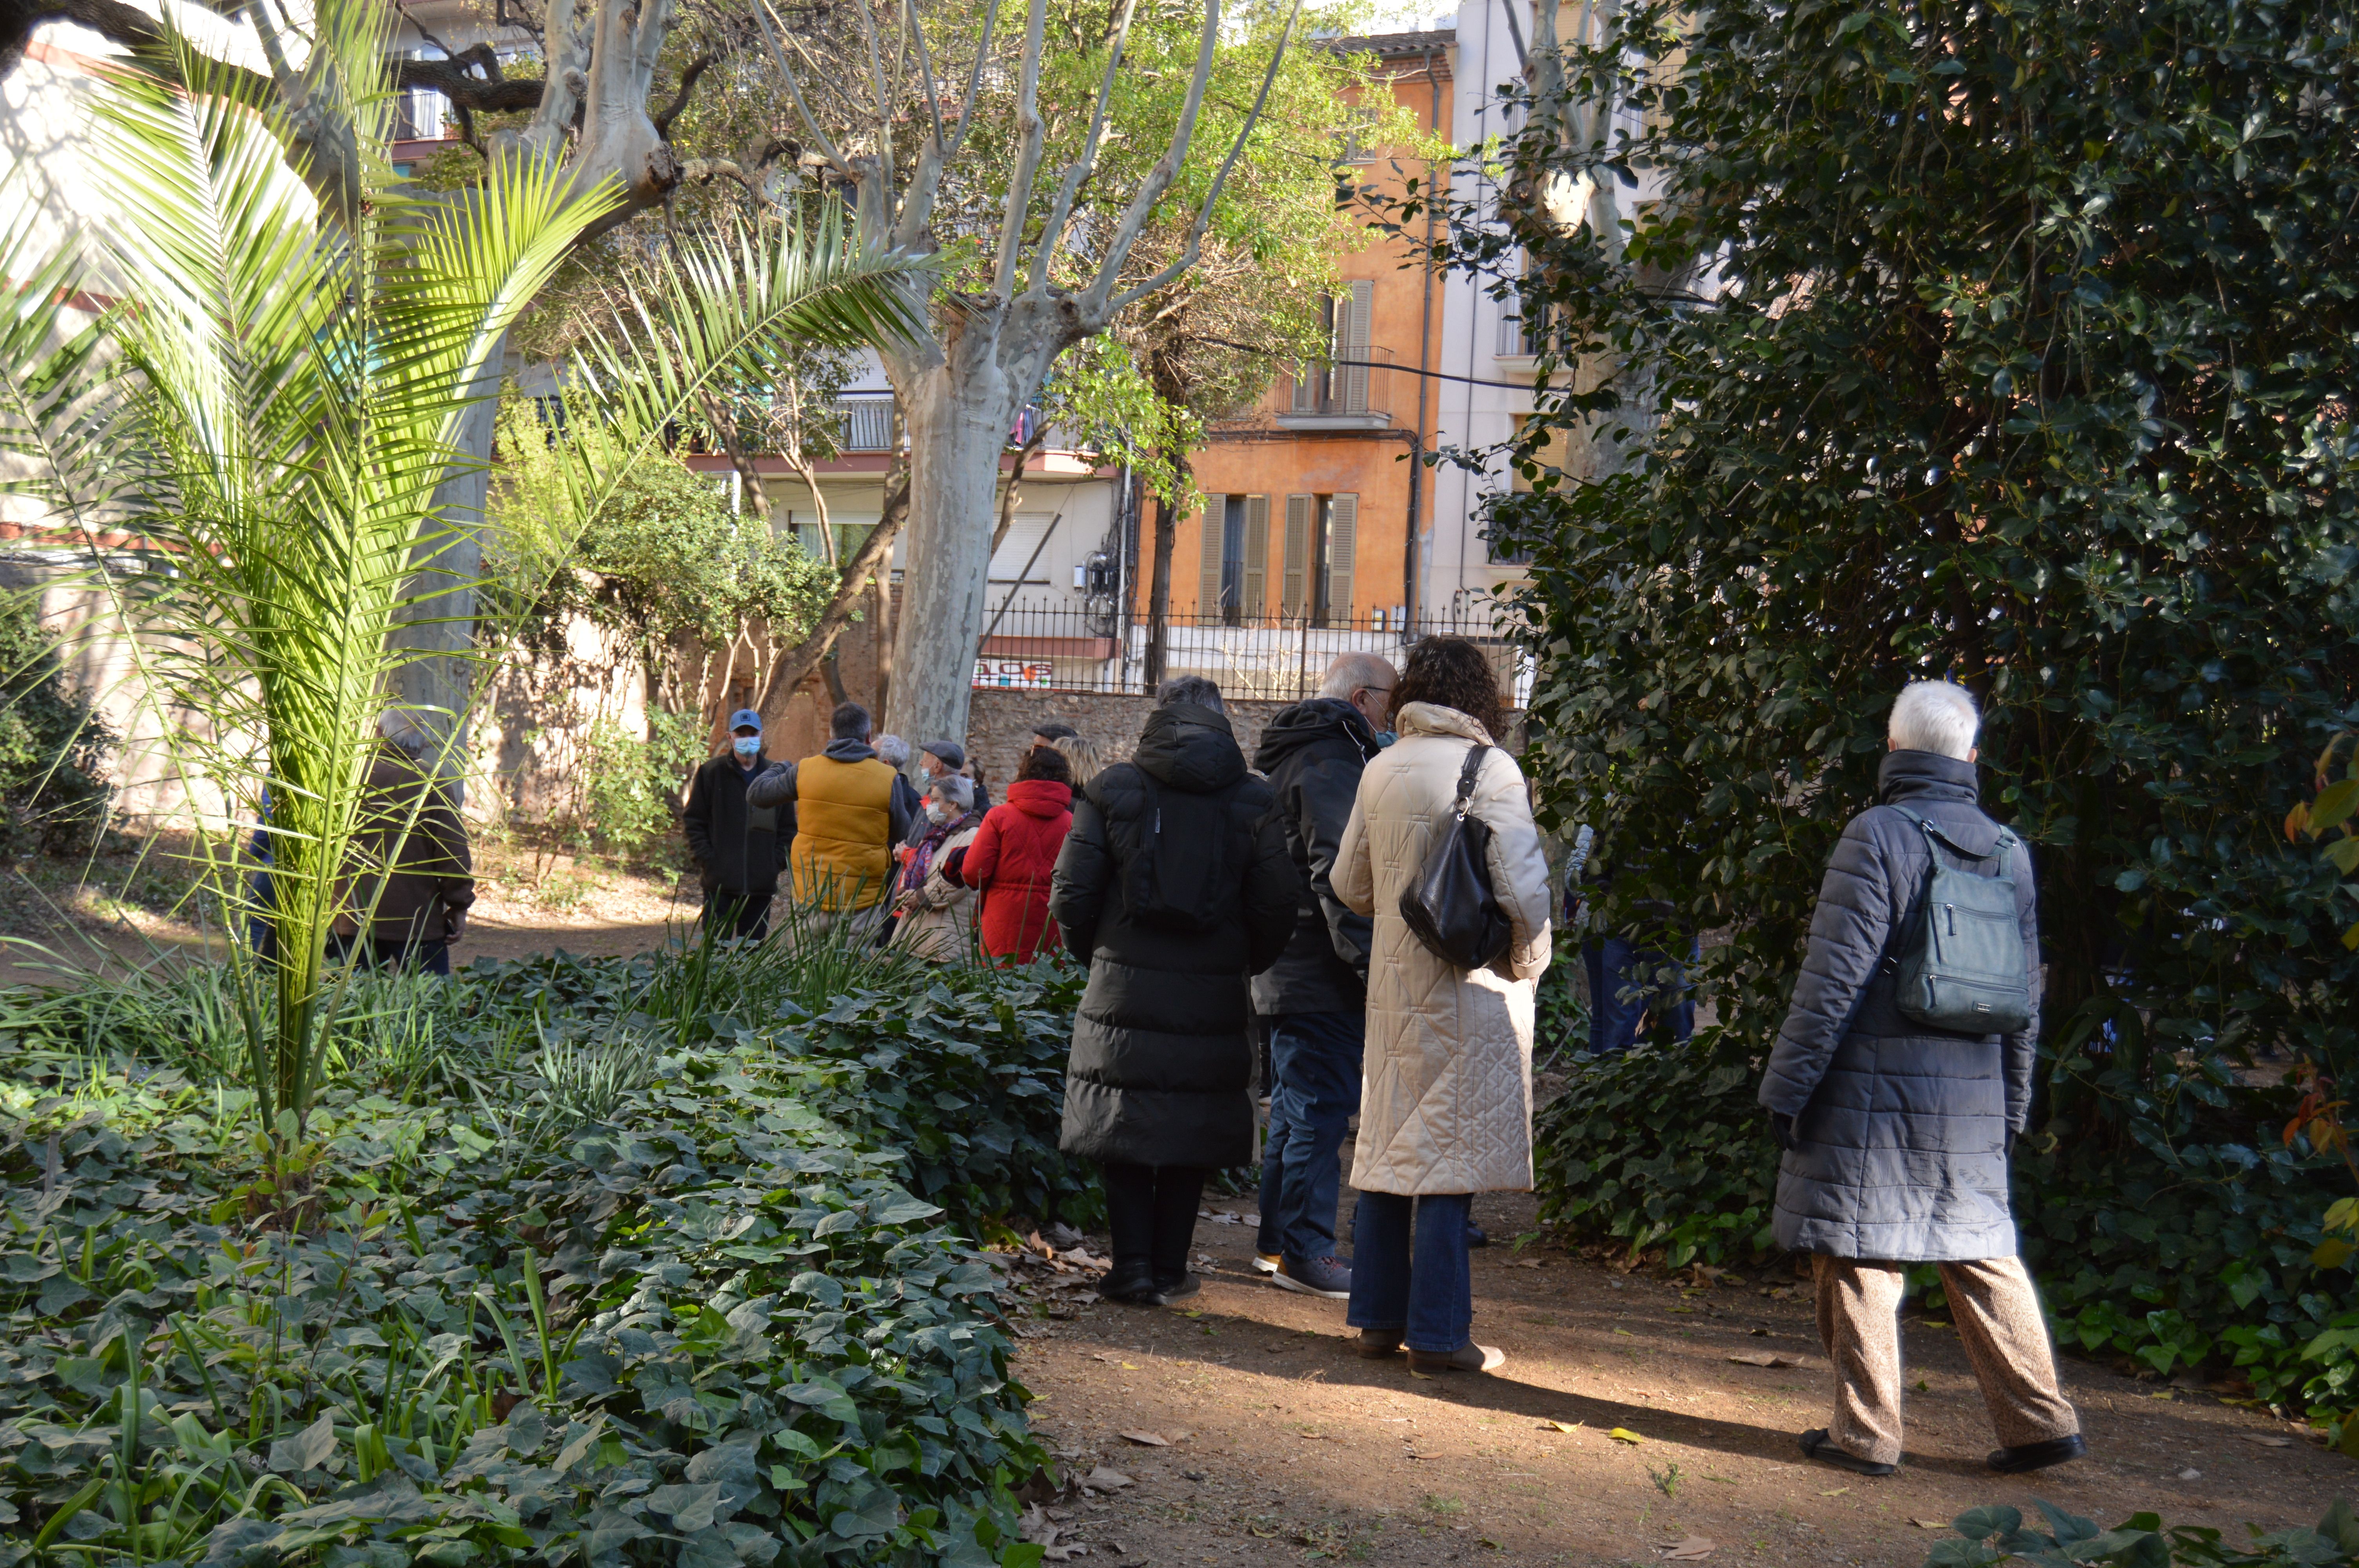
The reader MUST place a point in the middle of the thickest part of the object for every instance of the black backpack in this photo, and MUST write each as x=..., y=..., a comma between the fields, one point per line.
x=1961, y=967
x=1174, y=881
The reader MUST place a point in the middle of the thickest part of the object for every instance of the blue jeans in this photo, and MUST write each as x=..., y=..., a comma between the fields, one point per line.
x=1427, y=1297
x=1314, y=1061
x=1615, y=968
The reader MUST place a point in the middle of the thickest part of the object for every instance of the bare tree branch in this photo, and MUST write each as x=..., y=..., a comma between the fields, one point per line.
x=1160, y=177
x=1082, y=165
x=1195, y=245
x=696, y=68
x=819, y=136
x=915, y=27
x=805, y=656
x=1027, y=157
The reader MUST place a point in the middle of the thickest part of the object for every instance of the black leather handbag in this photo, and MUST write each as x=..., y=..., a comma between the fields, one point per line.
x=1452, y=906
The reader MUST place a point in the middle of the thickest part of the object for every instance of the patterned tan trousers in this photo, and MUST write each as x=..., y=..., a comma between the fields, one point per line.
x=1996, y=1309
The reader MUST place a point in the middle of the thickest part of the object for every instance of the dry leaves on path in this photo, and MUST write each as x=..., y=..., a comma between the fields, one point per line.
x=1623, y=1434
x=1764, y=1358
x=1106, y=1480
x=1146, y=1439
x=1688, y=1549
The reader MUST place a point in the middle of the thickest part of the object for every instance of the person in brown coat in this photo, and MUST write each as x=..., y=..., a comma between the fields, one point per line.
x=413, y=879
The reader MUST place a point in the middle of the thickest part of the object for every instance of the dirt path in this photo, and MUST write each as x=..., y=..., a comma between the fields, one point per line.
x=1284, y=1447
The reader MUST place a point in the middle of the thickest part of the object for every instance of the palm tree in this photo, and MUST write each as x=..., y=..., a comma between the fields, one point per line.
x=268, y=408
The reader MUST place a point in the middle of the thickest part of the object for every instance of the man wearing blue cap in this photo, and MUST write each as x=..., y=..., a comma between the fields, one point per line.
x=737, y=843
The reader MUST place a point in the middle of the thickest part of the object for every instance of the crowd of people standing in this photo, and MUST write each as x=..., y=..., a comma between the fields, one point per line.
x=1210, y=900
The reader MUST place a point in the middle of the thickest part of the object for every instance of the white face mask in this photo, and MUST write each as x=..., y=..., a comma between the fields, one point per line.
x=938, y=811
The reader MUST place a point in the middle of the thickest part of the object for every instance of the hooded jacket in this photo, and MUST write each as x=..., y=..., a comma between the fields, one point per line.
x=1446, y=1082
x=1174, y=886
x=1011, y=861
x=1312, y=753
x=1900, y=1130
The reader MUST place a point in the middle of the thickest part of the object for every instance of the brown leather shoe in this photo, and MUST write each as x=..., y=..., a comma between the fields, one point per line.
x=1376, y=1343
x=1468, y=1357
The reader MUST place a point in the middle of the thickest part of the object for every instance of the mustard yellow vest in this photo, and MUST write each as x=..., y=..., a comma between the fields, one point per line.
x=842, y=854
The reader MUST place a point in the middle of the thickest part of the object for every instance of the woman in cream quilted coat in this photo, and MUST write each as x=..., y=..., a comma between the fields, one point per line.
x=1446, y=1091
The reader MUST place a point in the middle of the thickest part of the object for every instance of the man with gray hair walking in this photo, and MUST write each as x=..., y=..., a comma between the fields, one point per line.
x=1316, y=995
x=1898, y=1086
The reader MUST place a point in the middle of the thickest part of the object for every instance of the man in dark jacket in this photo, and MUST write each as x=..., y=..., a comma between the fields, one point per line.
x=737, y=845
x=414, y=881
x=1316, y=995
x=1174, y=886
x=1897, y=1132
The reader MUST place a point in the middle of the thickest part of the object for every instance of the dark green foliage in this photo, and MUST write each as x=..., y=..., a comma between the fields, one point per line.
x=1994, y=1534
x=2025, y=361
x=2190, y=1244
x=2028, y=367
x=620, y=1301
x=1661, y=1147
x=53, y=791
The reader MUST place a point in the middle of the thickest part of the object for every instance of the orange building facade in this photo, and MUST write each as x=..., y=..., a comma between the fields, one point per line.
x=1313, y=502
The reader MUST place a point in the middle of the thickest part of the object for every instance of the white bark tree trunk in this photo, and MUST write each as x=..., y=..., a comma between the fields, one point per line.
x=958, y=409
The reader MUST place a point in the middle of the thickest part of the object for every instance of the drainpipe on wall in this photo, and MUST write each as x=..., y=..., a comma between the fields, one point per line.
x=1424, y=350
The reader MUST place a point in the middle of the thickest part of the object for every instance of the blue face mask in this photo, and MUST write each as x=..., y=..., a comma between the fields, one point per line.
x=746, y=745
x=1386, y=738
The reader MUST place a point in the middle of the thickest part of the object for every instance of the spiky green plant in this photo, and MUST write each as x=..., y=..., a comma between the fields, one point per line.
x=270, y=408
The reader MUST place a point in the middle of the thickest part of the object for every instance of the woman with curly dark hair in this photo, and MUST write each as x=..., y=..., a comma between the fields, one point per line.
x=1446, y=1088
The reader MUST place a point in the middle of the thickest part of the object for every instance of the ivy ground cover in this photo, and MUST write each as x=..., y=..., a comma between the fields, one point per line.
x=615, y=1262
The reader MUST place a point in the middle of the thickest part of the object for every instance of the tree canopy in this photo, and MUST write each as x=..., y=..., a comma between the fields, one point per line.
x=2007, y=344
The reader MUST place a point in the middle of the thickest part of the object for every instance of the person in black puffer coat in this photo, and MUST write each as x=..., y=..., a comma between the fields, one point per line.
x=1174, y=886
x=1897, y=1132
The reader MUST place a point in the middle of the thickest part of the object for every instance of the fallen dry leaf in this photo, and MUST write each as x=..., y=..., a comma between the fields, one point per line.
x=1838, y=1492
x=1106, y=1480
x=1623, y=1434
x=2265, y=1440
x=1688, y=1549
x=1559, y=1426
x=1764, y=1358
x=1527, y=1263
x=1146, y=1439
x=1931, y=1523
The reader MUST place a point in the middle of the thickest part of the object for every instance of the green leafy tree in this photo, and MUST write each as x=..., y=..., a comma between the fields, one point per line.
x=2011, y=345
x=2026, y=365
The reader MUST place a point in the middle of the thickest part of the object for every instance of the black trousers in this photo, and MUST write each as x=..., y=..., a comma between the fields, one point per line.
x=728, y=914
x=1151, y=1210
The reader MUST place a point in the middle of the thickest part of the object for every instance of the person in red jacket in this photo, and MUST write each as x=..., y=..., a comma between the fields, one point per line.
x=1013, y=853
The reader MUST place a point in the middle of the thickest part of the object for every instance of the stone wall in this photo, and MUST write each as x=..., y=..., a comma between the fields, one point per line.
x=999, y=725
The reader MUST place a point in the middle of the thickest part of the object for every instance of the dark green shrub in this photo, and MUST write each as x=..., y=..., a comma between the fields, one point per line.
x=1993, y=1535
x=53, y=749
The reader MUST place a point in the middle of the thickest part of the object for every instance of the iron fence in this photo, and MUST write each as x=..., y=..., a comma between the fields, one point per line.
x=1064, y=646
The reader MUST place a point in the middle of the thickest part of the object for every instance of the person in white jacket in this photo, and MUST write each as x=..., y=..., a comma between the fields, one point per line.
x=1446, y=1090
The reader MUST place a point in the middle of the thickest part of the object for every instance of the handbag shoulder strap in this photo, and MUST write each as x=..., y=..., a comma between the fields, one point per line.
x=1466, y=777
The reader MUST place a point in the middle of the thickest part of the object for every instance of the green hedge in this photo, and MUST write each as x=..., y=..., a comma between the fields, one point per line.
x=2168, y=1223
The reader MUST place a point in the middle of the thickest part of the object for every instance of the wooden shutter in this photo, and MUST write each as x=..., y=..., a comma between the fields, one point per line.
x=1298, y=555
x=1342, y=534
x=1255, y=591
x=1352, y=343
x=1208, y=587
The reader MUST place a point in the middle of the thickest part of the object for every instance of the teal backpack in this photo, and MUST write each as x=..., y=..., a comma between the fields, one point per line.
x=1963, y=967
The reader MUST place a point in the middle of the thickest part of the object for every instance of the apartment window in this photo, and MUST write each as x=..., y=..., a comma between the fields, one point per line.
x=1341, y=385
x=1234, y=561
x=1321, y=549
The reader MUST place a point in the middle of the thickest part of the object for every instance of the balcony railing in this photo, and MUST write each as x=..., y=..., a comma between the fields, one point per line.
x=1349, y=390
x=865, y=425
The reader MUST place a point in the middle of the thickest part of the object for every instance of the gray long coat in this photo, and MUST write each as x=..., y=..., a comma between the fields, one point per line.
x=1901, y=1129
